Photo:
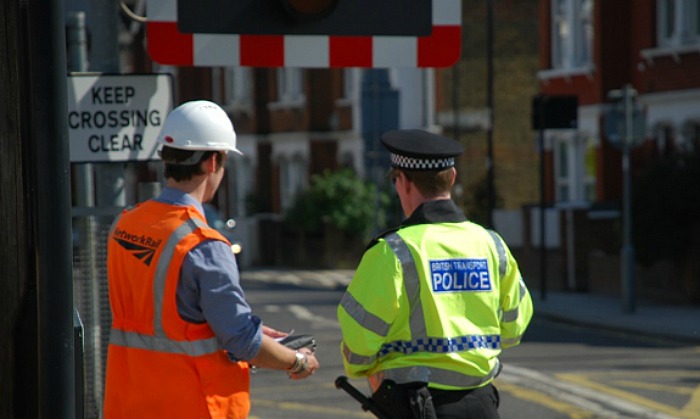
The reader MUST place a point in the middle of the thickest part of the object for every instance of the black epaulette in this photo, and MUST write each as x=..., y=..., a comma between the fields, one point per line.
x=376, y=238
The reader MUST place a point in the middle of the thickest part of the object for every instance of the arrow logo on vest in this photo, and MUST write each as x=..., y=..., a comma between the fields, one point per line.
x=142, y=253
x=139, y=245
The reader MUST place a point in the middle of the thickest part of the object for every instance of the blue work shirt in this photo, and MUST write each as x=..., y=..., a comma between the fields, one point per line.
x=210, y=290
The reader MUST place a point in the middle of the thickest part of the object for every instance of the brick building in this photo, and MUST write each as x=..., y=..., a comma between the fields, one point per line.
x=589, y=48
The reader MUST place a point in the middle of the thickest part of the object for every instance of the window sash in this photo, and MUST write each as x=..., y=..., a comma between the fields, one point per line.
x=574, y=168
x=572, y=33
x=678, y=22
x=289, y=85
x=238, y=86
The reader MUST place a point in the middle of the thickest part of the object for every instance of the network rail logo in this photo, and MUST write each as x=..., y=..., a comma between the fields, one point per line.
x=142, y=247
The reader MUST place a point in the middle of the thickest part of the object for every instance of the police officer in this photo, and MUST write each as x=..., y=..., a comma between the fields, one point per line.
x=434, y=301
x=182, y=333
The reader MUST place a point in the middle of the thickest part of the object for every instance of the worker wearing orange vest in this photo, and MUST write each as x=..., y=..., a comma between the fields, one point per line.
x=182, y=333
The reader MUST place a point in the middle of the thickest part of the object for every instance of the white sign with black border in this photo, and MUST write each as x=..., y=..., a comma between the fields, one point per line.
x=116, y=117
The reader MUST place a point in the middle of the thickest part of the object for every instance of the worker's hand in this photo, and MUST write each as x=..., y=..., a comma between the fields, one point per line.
x=273, y=333
x=311, y=365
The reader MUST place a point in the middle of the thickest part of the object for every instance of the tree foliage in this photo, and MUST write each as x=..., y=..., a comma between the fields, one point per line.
x=666, y=205
x=341, y=199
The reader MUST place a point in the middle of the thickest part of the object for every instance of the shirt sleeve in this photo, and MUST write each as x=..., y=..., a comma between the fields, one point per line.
x=209, y=291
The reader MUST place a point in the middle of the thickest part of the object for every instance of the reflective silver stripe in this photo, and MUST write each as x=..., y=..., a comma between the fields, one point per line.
x=357, y=359
x=502, y=260
x=163, y=344
x=512, y=315
x=512, y=341
x=159, y=341
x=411, y=282
x=166, y=256
x=364, y=318
x=434, y=375
x=523, y=290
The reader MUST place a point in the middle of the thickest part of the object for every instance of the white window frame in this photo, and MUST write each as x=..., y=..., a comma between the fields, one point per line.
x=293, y=179
x=572, y=32
x=290, y=88
x=238, y=88
x=677, y=23
x=683, y=38
x=576, y=185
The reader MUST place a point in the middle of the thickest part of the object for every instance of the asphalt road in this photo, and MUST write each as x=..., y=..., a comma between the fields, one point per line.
x=560, y=371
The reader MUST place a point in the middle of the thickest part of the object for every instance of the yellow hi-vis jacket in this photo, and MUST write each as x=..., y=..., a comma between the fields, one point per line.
x=433, y=303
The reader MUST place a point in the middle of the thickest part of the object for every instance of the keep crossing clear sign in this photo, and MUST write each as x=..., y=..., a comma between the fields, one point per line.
x=116, y=117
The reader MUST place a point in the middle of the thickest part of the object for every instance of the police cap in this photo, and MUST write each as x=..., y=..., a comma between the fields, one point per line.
x=414, y=149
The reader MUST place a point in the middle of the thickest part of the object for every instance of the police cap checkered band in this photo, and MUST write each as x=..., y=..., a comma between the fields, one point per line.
x=413, y=149
x=413, y=163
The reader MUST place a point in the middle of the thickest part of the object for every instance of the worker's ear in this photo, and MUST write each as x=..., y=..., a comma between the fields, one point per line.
x=454, y=176
x=210, y=164
x=404, y=183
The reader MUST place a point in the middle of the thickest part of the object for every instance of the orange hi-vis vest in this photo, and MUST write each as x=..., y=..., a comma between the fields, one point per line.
x=159, y=365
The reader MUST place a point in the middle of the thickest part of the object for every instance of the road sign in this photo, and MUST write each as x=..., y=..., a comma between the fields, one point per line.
x=167, y=45
x=113, y=117
x=616, y=127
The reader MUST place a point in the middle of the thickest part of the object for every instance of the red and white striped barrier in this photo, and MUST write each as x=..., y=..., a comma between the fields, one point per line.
x=166, y=45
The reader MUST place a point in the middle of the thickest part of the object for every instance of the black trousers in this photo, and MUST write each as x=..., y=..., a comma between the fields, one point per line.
x=480, y=403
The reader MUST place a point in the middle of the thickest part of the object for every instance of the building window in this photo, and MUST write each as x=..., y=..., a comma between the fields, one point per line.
x=349, y=76
x=293, y=179
x=238, y=88
x=665, y=144
x=574, y=168
x=290, y=85
x=563, y=175
x=678, y=22
x=691, y=136
x=572, y=33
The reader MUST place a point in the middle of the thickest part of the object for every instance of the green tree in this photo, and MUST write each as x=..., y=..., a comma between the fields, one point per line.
x=339, y=198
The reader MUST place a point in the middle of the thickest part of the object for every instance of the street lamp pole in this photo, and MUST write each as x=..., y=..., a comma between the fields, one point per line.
x=628, y=274
x=490, y=176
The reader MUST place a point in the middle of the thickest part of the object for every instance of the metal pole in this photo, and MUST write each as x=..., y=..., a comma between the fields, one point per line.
x=47, y=162
x=543, y=225
x=455, y=103
x=489, y=105
x=628, y=277
x=110, y=191
x=105, y=58
x=76, y=34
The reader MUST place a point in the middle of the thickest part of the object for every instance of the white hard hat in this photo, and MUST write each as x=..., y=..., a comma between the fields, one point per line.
x=198, y=125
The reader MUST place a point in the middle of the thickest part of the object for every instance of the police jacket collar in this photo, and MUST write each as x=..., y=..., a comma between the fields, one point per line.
x=442, y=211
x=431, y=212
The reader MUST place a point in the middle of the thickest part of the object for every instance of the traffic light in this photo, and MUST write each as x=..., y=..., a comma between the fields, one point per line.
x=306, y=17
